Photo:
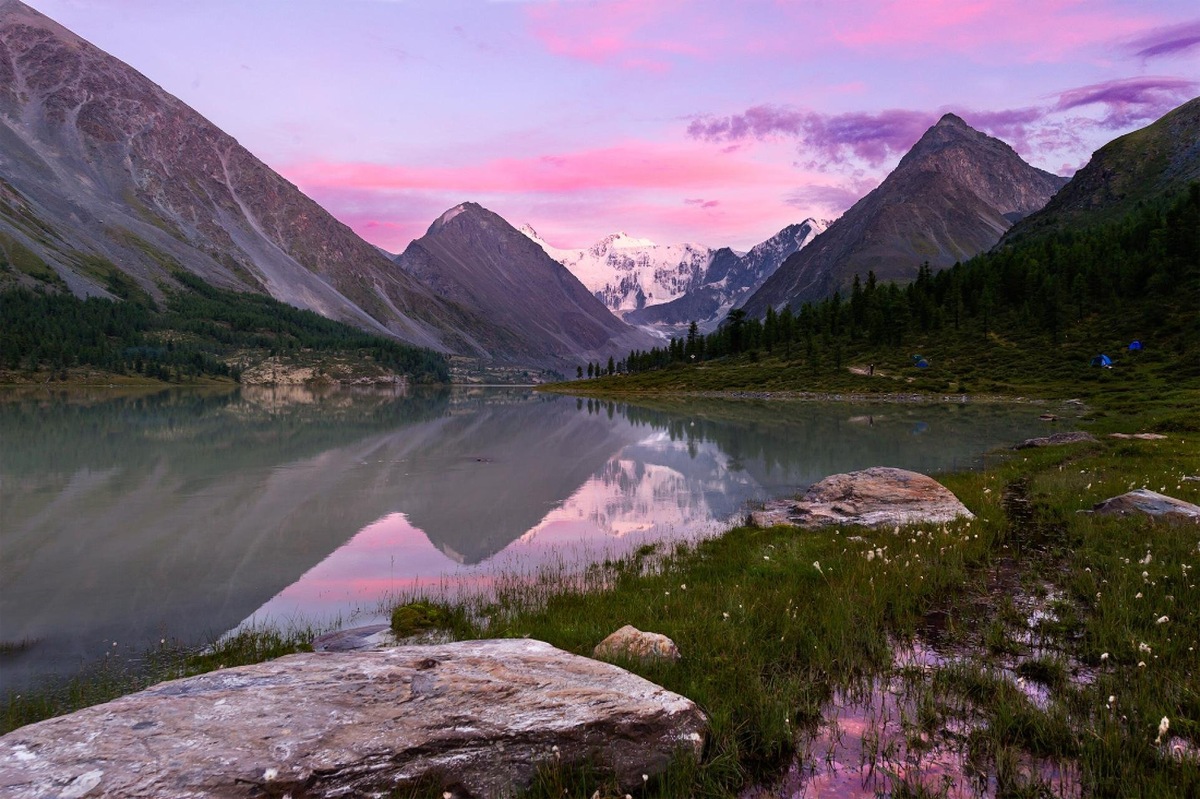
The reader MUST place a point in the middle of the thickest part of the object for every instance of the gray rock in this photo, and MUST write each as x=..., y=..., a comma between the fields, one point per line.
x=873, y=497
x=355, y=639
x=1074, y=437
x=1141, y=436
x=476, y=717
x=1149, y=503
x=632, y=643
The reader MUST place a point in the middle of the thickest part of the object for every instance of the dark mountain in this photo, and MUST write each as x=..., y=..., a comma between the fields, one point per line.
x=539, y=312
x=729, y=280
x=108, y=184
x=1158, y=160
x=952, y=195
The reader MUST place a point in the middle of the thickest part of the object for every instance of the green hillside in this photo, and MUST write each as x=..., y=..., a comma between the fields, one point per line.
x=1025, y=318
x=200, y=332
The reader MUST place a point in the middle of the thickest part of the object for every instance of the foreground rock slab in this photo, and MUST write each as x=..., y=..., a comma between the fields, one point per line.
x=1149, y=503
x=875, y=497
x=473, y=718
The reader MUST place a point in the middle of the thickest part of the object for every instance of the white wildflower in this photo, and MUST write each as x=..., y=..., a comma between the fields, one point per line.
x=1103, y=656
x=1163, y=726
x=1144, y=647
x=1162, y=620
x=270, y=774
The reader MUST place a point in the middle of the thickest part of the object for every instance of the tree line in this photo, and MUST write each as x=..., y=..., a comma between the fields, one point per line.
x=1148, y=260
x=199, y=331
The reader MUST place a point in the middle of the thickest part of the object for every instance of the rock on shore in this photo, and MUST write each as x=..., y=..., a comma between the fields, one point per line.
x=875, y=497
x=1145, y=502
x=476, y=718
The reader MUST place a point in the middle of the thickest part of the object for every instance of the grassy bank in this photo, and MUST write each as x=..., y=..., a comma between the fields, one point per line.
x=1054, y=641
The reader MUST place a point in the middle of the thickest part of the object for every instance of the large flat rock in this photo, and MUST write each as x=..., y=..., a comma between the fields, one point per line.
x=872, y=497
x=474, y=717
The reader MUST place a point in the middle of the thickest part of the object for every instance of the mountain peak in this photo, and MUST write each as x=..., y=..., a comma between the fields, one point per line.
x=952, y=119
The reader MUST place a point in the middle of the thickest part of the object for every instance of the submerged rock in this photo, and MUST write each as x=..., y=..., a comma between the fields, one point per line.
x=1149, y=503
x=474, y=718
x=873, y=497
x=632, y=643
x=1073, y=437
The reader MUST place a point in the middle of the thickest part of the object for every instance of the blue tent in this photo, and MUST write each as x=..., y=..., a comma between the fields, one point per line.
x=920, y=362
x=1135, y=345
x=1102, y=360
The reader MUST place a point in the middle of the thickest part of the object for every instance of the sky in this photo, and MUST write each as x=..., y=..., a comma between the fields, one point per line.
x=716, y=122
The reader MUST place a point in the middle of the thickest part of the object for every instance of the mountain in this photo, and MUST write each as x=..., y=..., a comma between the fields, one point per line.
x=627, y=273
x=952, y=195
x=110, y=185
x=1158, y=160
x=539, y=312
x=729, y=279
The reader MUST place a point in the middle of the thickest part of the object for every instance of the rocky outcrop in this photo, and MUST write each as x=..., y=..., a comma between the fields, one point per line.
x=1074, y=437
x=634, y=644
x=475, y=718
x=875, y=497
x=1149, y=503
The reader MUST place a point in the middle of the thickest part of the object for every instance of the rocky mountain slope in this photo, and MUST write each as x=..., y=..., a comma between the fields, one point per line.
x=109, y=184
x=952, y=195
x=536, y=307
x=729, y=280
x=1156, y=161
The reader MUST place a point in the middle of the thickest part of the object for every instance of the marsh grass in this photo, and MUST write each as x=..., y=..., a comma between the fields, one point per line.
x=1044, y=611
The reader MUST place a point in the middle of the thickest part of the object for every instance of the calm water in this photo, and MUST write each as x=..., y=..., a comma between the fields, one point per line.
x=183, y=515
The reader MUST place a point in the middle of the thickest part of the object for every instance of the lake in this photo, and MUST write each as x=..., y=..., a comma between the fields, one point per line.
x=184, y=514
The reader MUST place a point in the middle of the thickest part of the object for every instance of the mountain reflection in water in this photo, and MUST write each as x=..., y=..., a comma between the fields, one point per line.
x=183, y=514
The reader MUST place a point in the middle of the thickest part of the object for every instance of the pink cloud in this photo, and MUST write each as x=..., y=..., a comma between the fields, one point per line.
x=1167, y=41
x=1028, y=30
x=639, y=165
x=637, y=34
x=1129, y=100
x=831, y=137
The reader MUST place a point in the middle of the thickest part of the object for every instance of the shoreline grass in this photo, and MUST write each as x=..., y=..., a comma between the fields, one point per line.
x=775, y=624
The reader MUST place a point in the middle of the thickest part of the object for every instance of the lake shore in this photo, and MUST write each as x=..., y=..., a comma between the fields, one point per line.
x=1022, y=623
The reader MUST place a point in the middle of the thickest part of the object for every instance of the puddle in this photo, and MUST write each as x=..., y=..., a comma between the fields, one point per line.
x=891, y=739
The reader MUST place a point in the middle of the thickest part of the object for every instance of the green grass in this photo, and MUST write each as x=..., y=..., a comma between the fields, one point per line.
x=775, y=623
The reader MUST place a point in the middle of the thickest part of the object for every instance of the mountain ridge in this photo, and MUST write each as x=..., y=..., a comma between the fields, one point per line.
x=951, y=196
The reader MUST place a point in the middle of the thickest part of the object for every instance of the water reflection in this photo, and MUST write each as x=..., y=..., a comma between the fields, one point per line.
x=183, y=514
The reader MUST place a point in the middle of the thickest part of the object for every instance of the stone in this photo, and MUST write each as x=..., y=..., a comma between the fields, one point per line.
x=355, y=639
x=474, y=718
x=1149, y=503
x=875, y=497
x=1141, y=436
x=1073, y=437
x=630, y=642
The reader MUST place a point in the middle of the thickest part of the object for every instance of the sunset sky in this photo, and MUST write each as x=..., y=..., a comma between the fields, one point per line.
x=709, y=121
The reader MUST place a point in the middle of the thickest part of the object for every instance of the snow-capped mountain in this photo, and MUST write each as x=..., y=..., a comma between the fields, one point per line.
x=627, y=273
x=670, y=285
x=729, y=280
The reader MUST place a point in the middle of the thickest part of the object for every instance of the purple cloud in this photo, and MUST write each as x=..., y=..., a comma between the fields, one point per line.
x=870, y=137
x=1167, y=41
x=702, y=203
x=1129, y=100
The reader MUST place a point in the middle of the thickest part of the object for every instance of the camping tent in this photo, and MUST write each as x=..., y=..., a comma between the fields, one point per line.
x=1135, y=345
x=1102, y=360
x=920, y=361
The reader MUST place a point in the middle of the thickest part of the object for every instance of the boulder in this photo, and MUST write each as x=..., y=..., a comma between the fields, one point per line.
x=1149, y=503
x=875, y=497
x=474, y=718
x=630, y=642
x=1074, y=437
